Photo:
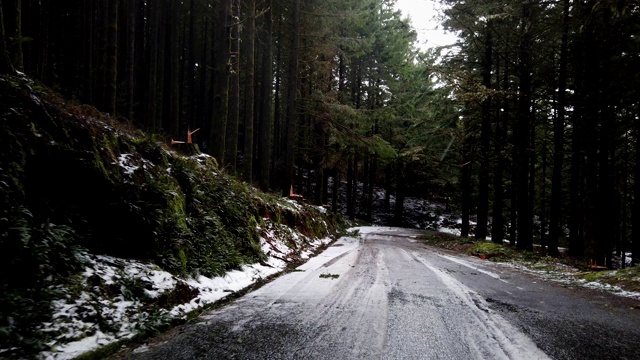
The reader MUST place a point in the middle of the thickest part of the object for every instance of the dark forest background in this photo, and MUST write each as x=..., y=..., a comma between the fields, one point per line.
x=529, y=123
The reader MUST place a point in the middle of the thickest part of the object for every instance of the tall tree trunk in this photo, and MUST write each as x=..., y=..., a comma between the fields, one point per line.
x=174, y=72
x=485, y=137
x=132, y=11
x=625, y=201
x=249, y=91
x=292, y=111
x=350, y=181
x=525, y=225
x=44, y=67
x=163, y=65
x=576, y=189
x=319, y=137
x=276, y=155
x=18, y=61
x=335, y=189
x=233, y=117
x=398, y=217
x=635, y=211
x=513, y=189
x=387, y=188
x=102, y=57
x=354, y=193
x=325, y=186
x=112, y=59
x=365, y=184
x=465, y=184
x=606, y=179
x=154, y=38
x=142, y=62
x=558, y=138
x=497, y=228
x=607, y=122
x=185, y=100
x=372, y=184
x=319, y=189
x=587, y=90
x=266, y=119
x=543, y=202
x=192, y=118
x=606, y=187
x=204, y=103
x=618, y=194
x=88, y=33
x=222, y=58
x=513, y=204
x=532, y=175
x=6, y=67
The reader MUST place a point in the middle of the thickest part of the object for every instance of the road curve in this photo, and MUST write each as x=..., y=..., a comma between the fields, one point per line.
x=388, y=296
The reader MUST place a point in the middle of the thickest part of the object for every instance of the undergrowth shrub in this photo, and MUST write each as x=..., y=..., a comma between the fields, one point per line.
x=34, y=255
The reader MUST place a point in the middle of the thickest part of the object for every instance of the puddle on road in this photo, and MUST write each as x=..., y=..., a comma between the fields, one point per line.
x=501, y=305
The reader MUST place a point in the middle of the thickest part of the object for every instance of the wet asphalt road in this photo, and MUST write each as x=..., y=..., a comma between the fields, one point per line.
x=388, y=296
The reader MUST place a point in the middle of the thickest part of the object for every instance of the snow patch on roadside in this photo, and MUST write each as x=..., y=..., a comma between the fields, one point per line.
x=445, y=230
x=472, y=267
x=567, y=275
x=342, y=246
x=609, y=288
x=560, y=273
x=88, y=316
x=215, y=289
x=364, y=230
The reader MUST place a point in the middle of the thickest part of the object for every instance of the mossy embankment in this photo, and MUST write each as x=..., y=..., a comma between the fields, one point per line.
x=74, y=181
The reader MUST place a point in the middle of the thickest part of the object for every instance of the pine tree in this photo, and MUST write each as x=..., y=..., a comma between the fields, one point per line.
x=249, y=91
x=6, y=67
x=265, y=122
x=558, y=130
x=292, y=100
x=111, y=71
x=222, y=58
x=18, y=60
x=485, y=137
x=233, y=115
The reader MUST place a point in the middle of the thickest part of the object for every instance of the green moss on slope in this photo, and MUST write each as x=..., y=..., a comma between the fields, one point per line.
x=71, y=179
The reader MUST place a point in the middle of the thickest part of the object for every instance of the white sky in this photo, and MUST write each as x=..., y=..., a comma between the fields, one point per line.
x=423, y=14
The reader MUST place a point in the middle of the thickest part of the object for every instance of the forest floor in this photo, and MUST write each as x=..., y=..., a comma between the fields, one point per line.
x=564, y=269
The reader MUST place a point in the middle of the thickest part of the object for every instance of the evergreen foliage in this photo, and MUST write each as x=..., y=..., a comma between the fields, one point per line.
x=540, y=88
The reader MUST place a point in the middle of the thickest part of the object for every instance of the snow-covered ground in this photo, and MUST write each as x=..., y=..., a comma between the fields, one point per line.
x=86, y=310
